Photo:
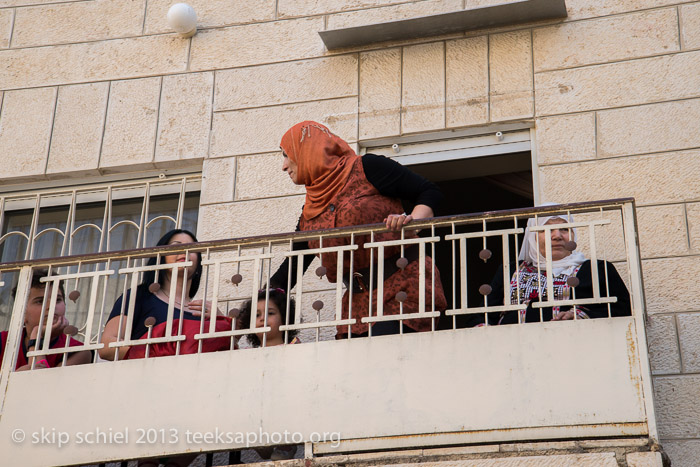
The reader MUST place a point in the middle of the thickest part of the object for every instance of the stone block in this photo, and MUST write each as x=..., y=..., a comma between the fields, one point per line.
x=688, y=332
x=651, y=128
x=261, y=176
x=663, y=344
x=11, y=3
x=285, y=83
x=240, y=131
x=683, y=453
x=467, y=81
x=255, y=44
x=677, y=408
x=132, y=119
x=93, y=61
x=600, y=459
x=579, y=9
x=618, y=84
x=566, y=138
x=690, y=26
x=248, y=218
x=185, y=116
x=662, y=231
x=5, y=28
x=25, y=131
x=218, y=177
x=77, y=128
x=693, y=216
x=670, y=284
x=293, y=8
x=644, y=459
x=510, y=74
x=380, y=93
x=391, y=13
x=211, y=13
x=77, y=22
x=604, y=40
x=423, y=88
x=651, y=179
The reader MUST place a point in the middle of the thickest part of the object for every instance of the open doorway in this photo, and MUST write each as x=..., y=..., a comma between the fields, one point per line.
x=481, y=184
x=476, y=172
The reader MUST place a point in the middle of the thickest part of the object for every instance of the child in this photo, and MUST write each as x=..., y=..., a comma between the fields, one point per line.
x=31, y=335
x=276, y=316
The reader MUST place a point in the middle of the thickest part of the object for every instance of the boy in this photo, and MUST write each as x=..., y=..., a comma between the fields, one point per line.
x=31, y=337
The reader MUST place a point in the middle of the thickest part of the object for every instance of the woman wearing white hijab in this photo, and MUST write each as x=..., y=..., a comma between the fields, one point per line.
x=570, y=269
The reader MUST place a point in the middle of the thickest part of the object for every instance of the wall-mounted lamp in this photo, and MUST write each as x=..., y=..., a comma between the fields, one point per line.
x=183, y=19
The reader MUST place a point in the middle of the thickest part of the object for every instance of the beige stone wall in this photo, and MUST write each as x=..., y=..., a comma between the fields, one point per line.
x=103, y=86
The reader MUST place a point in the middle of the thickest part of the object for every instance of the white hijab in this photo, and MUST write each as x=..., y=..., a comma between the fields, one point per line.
x=530, y=251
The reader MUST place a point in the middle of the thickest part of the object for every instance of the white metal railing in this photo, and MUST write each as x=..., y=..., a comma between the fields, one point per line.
x=235, y=270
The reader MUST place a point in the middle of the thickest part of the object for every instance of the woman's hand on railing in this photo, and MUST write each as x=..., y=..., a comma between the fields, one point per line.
x=195, y=307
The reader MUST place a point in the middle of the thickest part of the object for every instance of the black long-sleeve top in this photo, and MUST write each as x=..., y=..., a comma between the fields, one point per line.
x=391, y=179
x=616, y=286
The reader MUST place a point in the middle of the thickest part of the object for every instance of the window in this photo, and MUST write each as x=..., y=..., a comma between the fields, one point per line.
x=91, y=219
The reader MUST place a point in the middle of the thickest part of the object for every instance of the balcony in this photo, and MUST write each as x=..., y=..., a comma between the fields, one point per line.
x=450, y=386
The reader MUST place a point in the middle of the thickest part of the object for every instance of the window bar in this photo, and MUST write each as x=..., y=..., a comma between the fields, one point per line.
x=214, y=308
x=432, y=279
x=32, y=232
x=132, y=306
x=339, y=287
x=46, y=342
x=181, y=203
x=185, y=295
x=267, y=283
x=2, y=212
x=70, y=223
x=572, y=237
x=506, y=299
x=105, y=224
x=318, y=312
x=380, y=281
x=594, y=264
x=548, y=260
x=454, y=279
x=109, y=220
x=539, y=275
x=204, y=300
x=371, y=274
x=605, y=262
x=421, y=285
x=463, y=275
x=506, y=267
x=350, y=283
x=40, y=337
x=102, y=308
x=297, y=315
x=123, y=309
x=141, y=238
x=254, y=306
x=421, y=281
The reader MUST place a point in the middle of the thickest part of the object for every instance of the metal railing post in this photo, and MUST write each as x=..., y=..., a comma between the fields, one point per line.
x=14, y=335
x=634, y=263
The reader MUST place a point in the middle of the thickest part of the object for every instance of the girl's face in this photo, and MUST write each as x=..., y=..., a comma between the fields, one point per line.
x=181, y=257
x=274, y=320
x=36, y=306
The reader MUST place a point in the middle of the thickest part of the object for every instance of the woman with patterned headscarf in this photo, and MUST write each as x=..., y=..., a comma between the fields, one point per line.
x=344, y=189
x=571, y=277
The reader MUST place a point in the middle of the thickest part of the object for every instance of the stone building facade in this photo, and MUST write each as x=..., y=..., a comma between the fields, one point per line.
x=98, y=88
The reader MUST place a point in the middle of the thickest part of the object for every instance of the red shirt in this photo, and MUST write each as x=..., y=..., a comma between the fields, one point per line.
x=54, y=360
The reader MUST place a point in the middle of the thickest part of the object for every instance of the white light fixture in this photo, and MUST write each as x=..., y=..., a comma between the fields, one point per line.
x=183, y=19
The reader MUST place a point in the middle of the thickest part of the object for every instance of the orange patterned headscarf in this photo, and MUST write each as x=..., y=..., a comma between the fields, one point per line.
x=324, y=162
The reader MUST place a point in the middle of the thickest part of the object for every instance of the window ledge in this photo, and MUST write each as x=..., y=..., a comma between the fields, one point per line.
x=513, y=12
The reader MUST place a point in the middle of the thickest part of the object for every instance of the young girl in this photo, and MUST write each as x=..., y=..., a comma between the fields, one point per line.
x=276, y=316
